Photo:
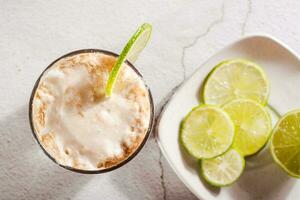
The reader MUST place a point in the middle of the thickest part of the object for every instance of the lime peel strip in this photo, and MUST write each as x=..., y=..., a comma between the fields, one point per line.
x=121, y=59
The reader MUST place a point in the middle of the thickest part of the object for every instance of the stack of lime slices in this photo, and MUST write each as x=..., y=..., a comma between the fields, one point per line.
x=233, y=122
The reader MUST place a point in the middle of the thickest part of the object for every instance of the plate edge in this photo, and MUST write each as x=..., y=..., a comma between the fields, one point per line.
x=165, y=107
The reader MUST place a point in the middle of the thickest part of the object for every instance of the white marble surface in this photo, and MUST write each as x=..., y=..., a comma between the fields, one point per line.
x=185, y=34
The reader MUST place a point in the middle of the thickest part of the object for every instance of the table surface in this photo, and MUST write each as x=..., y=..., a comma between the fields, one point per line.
x=185, y=34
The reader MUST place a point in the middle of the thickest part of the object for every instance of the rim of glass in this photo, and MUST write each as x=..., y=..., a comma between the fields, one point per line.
x=120, y=164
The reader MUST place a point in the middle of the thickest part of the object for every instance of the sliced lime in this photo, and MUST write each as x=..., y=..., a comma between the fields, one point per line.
x=285, y=143
x=206, y=132
x=224, y=169
x=236, y=79
x=130, y=52
x=252, y=125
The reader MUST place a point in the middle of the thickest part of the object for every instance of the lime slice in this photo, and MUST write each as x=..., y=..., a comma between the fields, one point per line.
x=207, y=132
x=236, y=79
x=130, y=52
x=285, y=143
x=252, y=125
x=223, y=170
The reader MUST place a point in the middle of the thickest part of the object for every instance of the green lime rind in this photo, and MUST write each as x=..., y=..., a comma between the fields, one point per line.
x=202, y=98
x=253, y=125
x=267, y=140
x=294, y=136
x=269, y=109
x=234, y=84
x=223, y=170
x=206, y=132
x=130, y=52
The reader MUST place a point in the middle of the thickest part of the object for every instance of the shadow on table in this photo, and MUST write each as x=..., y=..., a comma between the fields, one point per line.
x=141, y=177
x=25, y=170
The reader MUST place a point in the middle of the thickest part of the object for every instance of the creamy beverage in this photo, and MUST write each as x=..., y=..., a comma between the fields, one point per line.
x=77, y=125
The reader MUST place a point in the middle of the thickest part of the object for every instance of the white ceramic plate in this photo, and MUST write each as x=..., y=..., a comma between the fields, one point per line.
x=262, y=178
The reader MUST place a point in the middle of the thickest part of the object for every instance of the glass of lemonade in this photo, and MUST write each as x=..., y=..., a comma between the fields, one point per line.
x=77, y=126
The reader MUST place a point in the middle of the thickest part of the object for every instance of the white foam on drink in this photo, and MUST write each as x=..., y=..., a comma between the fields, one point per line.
x=80, y=128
